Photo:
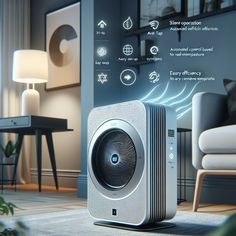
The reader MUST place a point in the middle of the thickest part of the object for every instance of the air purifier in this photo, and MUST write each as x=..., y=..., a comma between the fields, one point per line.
x=132, y=162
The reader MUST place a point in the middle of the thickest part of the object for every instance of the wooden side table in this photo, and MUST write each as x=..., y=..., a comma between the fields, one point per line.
x=37, y=126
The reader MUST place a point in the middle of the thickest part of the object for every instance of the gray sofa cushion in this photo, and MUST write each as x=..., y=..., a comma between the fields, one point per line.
x=218, y=140
x=208, y=112
x=219, y=162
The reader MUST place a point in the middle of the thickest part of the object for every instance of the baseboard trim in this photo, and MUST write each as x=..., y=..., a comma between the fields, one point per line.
x=211, y=182
x=60, y=173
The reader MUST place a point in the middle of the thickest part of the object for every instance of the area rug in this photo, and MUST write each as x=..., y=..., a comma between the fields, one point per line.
x=78, y=222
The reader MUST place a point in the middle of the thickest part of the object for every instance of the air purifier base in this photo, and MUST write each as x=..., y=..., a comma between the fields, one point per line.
x=142, y=228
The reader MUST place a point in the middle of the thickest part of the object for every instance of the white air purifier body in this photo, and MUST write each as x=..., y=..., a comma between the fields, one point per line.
x=132, y=177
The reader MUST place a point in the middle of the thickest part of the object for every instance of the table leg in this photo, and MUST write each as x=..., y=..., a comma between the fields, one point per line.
x=2, y=176
x=38, y=139
x=185, y=153
x=52, y=156
x=180, y=167
x=18, y=149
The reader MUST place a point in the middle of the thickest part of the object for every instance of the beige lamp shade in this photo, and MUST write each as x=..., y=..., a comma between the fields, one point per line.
x=30, y=66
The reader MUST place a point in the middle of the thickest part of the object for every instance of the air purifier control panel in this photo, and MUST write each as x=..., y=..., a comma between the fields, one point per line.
x=171, y=133
x=171, y=156
x=171, y=143
x=171, y=152
x=171, y=148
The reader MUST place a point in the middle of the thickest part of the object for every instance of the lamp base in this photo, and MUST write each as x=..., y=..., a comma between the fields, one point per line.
x=30, y=102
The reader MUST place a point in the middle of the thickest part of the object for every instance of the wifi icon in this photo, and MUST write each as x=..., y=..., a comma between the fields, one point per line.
x=154, y=24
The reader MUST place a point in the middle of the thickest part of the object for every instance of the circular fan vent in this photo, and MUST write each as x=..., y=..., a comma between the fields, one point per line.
x=114, y=159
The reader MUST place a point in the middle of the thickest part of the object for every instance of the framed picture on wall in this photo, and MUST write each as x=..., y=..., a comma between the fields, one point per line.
x=210, y=5
x=63, y=47
x=160, y=10
x=227, y=3
x=203, y=8
x=194, y=7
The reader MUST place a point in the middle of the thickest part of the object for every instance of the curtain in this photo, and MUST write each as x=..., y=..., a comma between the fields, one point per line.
x=14, y=34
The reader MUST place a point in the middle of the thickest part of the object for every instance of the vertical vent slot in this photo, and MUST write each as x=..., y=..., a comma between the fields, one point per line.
x=157, y=144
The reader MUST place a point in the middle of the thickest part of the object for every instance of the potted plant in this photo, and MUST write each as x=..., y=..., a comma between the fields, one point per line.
x=20, y=229
x=9, y=150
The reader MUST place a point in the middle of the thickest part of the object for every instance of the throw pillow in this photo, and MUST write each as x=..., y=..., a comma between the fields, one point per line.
x=230, y=87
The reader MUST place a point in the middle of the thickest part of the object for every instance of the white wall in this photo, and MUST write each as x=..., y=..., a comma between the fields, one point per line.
x=63, y=103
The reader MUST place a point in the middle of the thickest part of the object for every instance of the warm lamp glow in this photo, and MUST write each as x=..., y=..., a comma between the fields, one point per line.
x=30, y=66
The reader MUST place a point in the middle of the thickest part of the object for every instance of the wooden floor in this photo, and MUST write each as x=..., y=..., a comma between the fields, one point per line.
x=219, y=209
x=29, y=201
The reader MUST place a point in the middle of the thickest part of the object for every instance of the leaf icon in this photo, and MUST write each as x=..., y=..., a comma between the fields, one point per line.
x=128, y=23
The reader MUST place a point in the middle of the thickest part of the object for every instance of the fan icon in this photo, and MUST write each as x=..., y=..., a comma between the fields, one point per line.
x=154, y=77
x=102, y=51
x=154, y=50
x=128, y=50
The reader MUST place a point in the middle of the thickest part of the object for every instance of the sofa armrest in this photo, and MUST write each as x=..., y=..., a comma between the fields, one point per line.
x=208, y=110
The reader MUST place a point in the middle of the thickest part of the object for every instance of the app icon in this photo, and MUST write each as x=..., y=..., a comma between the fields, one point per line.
x=102, y=78
x=154, y=77
x=102, y=24
x=154, y=24
x=128, y=49
x=154, y=50
x=101, y=51
x=128, y=23
x=127, y=77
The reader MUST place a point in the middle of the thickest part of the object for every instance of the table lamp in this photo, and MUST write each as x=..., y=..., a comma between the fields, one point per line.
x=30, y=67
